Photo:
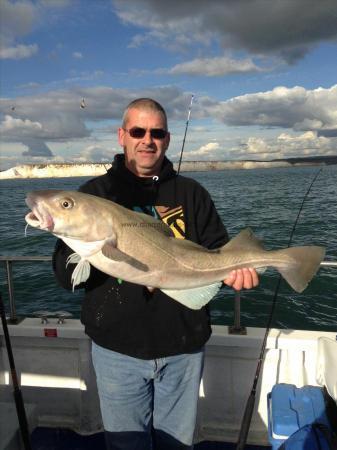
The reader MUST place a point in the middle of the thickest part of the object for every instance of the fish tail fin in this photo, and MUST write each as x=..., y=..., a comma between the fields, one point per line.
x=305, y=264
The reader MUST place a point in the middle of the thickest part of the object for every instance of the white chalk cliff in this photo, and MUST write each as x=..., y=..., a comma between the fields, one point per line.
x=95, y=169
x=54, y=170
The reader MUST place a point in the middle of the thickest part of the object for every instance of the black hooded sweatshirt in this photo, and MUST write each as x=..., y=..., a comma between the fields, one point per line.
x=126, y=317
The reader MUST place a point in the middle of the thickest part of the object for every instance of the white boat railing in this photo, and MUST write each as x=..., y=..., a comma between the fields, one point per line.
x=9, y=259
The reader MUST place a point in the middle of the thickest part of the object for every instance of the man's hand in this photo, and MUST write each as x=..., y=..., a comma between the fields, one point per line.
x=242, y=279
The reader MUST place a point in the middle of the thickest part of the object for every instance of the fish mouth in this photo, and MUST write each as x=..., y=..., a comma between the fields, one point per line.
x=38, y=217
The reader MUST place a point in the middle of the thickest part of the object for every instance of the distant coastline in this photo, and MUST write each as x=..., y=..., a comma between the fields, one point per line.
x=95, y=169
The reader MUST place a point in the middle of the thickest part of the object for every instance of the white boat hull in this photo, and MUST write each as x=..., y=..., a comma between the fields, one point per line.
x=55, y=371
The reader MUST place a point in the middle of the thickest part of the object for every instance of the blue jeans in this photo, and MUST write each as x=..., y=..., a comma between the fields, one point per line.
x=143, y=397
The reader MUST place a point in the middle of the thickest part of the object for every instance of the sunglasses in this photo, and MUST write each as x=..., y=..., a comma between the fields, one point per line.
x=139, y=133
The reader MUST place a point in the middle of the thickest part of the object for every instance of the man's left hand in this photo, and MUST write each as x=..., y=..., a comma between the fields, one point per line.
x=246, y=278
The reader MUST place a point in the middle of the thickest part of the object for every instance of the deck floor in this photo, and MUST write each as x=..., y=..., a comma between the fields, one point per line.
x=61, y=439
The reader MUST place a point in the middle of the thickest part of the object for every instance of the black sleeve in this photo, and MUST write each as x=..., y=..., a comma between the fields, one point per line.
x=62, y=271
x=211, y=231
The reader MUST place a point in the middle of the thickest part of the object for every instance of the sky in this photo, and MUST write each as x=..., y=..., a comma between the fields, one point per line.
x=263, y=74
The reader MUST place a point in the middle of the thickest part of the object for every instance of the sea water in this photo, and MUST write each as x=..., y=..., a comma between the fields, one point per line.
x=267, y=200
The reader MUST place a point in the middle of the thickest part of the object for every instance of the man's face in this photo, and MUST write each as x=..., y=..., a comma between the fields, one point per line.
x=144, y=155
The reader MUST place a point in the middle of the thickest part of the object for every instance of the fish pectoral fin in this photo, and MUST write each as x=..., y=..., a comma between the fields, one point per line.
x=82, y=270
x=194, y=298
x=111, y=252
x=74, y=258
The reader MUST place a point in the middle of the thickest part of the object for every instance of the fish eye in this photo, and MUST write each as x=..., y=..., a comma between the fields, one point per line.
x=67, y=203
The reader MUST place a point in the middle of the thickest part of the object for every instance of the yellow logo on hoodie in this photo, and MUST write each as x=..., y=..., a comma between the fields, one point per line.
x=174, y=218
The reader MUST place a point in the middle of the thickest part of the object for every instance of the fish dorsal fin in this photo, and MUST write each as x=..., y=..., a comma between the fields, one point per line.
x=110, y=251
x=194, y=298
x=244, y=240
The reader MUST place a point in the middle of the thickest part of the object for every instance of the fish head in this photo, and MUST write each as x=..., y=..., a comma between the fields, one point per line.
x=69, y=214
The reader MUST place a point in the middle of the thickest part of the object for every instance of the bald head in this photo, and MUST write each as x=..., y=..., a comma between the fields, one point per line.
x=144, y=104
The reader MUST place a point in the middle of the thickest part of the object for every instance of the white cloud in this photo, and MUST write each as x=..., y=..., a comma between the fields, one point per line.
x=214, y=67
x=18, y=19
x=284, y=145
x=29, y=85
x=260, y=147
x=57, y=116
x=297, y=108
x=308, y=136
x=30, y=134
x=77, y=55
x=18, y=52
x=207, y=149
x=308, y=143
x=8, y=161
x=76, y=76
x=36, y=147
x=40, y=121
x=96, y=153
x=174, y=42
x=257, y=145
x=287, y=28
x=12, y=125
x=208, y=152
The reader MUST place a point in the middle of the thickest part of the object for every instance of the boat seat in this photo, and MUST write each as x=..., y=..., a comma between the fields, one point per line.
x=326, y=365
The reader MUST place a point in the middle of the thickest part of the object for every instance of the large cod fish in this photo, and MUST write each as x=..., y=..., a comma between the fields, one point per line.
x=138, y=248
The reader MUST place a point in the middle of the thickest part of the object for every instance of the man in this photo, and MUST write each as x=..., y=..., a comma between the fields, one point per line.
x=148, y=349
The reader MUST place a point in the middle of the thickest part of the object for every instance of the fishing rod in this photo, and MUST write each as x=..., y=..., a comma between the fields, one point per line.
x=248, y=413
x=187, y=122
x=20, y=407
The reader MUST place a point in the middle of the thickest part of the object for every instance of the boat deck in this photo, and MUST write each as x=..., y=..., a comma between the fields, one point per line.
x=61, y=439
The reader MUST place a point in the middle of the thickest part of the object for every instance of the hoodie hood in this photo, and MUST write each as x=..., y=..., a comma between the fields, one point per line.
x=139, y=190
x=120, y=170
